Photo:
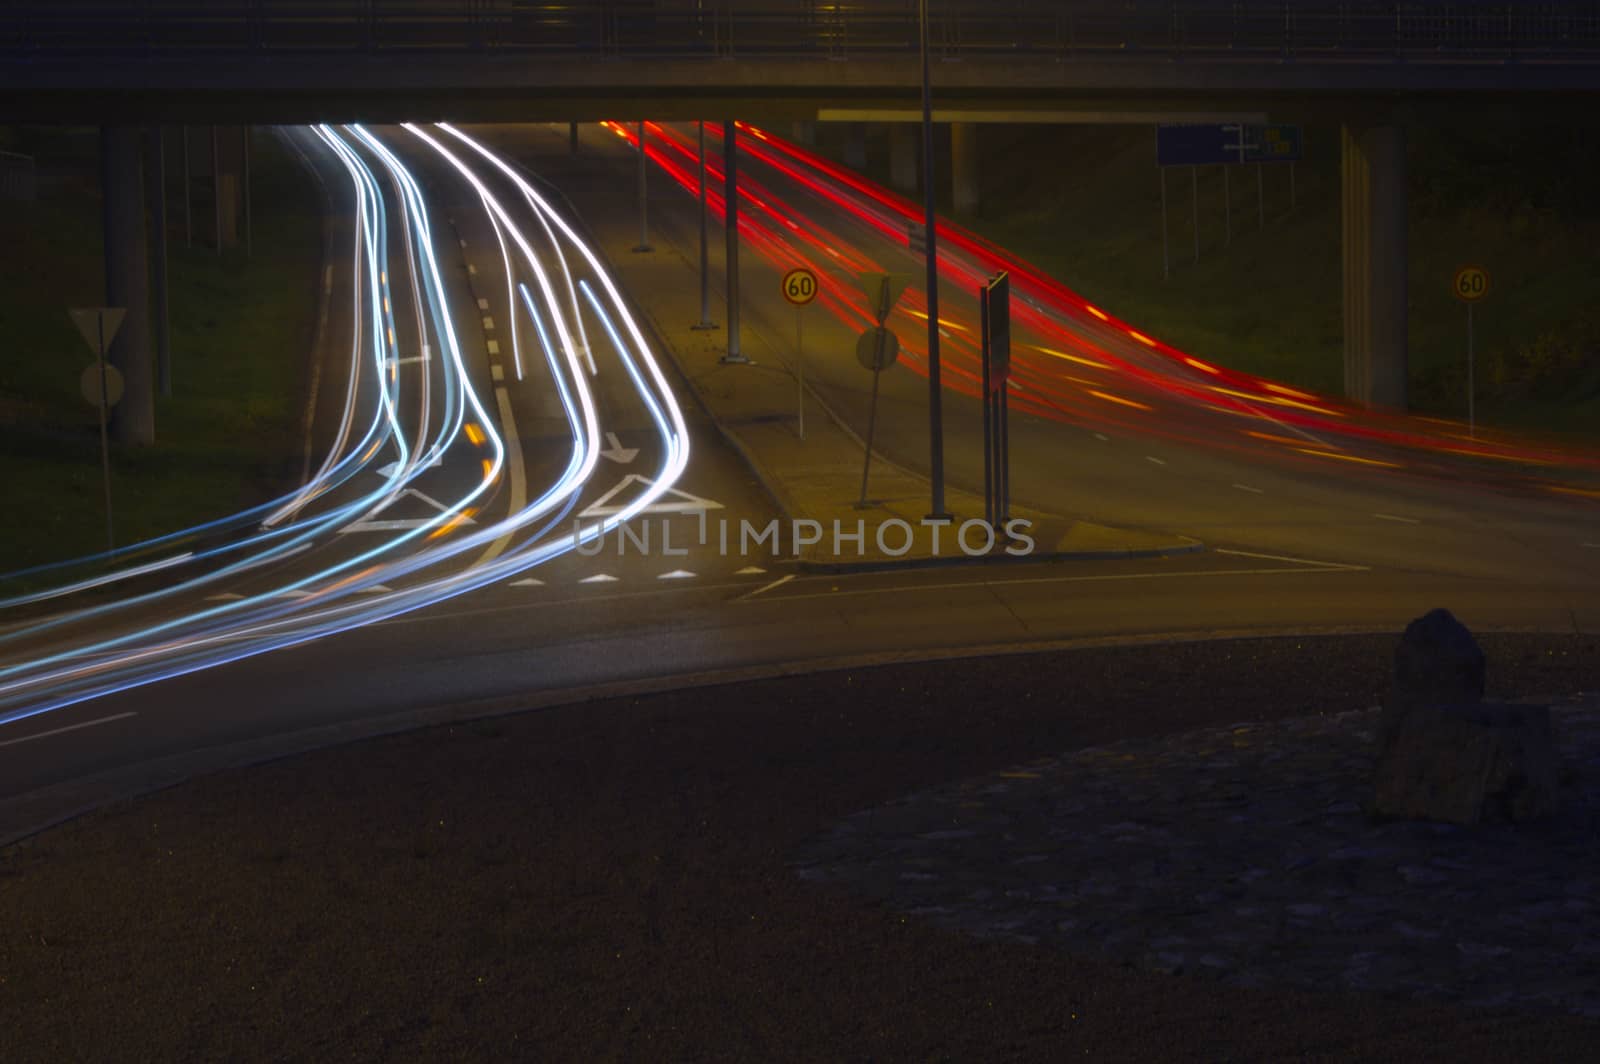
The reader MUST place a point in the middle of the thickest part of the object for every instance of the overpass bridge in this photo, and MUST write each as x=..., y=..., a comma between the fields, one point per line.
x=1373, y=66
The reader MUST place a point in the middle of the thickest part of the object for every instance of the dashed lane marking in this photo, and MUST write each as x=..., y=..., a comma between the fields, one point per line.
x=472, y=269
x=1153, y=458
x=497, y=373
x=1402, y=520
x=494, y=346
x=483, y=304
x=488, y=324
x=69, y=728
x=1102, y=437
x=1287, y=558
x=1246, y=487
x=764, y=588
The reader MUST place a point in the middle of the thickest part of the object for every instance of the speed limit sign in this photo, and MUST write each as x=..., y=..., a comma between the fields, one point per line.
x=800, y=286
x=1471, y=284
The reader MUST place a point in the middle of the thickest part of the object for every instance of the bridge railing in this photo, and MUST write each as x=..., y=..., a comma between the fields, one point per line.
x=1242, y=31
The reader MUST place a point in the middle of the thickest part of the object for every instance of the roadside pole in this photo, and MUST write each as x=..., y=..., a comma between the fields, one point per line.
x=799, y=287
x=1166, y=253
x=188, y=215
x=101, y=385
x=644, y=218
x=1470, y=284
x=1261, y=199
x=157, y=194
x=1194, y=182
x=705, y=321
x=930, y=220
x=1227, y=207
x=730, y=217
x=216, y=186
x=244, y=154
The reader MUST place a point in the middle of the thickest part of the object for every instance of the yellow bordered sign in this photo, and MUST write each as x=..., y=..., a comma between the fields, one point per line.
x=800, y=286
x=1471, y=284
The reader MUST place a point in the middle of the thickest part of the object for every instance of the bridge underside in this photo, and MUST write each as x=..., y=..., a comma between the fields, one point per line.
x=378, y=88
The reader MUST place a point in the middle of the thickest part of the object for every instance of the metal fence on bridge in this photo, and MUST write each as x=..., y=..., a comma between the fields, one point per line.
x=1432, y=31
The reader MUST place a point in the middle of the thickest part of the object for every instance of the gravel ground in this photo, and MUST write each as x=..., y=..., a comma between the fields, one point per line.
x=609, y=881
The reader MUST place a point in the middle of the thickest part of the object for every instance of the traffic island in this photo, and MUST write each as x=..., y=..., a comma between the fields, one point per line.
x=850, y=513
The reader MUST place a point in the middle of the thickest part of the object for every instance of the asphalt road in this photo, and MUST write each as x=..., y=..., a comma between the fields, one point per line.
x=1298, y=541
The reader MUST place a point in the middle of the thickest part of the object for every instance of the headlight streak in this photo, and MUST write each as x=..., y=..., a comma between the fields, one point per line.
x=110, y=665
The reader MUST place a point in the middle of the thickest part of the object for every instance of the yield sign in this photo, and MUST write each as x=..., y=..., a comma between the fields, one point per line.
x=883, y=291
x=671, y=501
x=98, y=324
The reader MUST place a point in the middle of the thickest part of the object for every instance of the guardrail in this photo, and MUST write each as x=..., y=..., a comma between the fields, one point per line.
x=1244, y=31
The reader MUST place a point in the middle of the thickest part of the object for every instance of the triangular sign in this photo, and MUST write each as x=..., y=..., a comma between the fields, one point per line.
x=671, y=501
x=883, y=292
x=98, y=325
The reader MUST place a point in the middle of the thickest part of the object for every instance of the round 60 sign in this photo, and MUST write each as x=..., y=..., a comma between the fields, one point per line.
x=800, y=286
x=1471, y=284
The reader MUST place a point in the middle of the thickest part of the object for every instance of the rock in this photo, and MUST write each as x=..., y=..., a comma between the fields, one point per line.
x=1437, y=663
x=1443, y=754
x=1467, y=764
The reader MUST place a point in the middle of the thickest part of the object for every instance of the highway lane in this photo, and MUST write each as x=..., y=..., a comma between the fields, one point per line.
x=1115, y=426
x=420, y=497
x=542, y=623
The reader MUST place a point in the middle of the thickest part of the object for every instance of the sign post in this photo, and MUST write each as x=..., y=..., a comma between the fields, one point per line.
x=800, y=288
x=98, y=326
x=1470, y=284
x=994, y=306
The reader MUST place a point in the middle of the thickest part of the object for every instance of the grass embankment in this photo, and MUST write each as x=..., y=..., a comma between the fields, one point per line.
x=228, y=436
x=1084, y=203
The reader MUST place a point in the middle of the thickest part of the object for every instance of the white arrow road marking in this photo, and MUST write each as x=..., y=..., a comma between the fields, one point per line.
x=599, y=578
x=750, y=570
x=528, y=582
x=671, y=501
x=676, y=574
x=376, y=589
x=618, y=453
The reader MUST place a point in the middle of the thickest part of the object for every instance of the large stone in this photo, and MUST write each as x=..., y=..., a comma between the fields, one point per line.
x=1437, y=663
x=1445, y=754
x=1469, y=764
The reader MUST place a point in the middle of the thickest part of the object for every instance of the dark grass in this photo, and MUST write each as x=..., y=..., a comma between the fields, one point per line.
x=241, y=334
x=608, y=881
x=1084, y=204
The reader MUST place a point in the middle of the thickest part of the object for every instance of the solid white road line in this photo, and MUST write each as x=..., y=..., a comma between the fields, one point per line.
x=69, y=727
x=1102, y=578
x=1246, y=487
x=1286, y=558
x=1402, y=520
x=515, y=469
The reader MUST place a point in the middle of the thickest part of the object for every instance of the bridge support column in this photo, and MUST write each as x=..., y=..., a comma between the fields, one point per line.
x=964, y=167
x=133, y=420
x=903, y=157
x=229, y=163
x=855, y=145
x=1374, y=253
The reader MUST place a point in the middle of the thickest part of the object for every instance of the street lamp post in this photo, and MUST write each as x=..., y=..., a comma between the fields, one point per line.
x=935, y=409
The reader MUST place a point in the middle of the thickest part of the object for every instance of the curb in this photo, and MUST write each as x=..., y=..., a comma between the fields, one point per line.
x=29, y=814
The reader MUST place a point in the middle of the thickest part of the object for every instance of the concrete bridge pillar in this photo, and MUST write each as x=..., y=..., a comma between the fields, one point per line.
x=1374, y=250
x=133, y=420
x=229, y=183
x=904, y=141
x=855, y=145
x=964, y=167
